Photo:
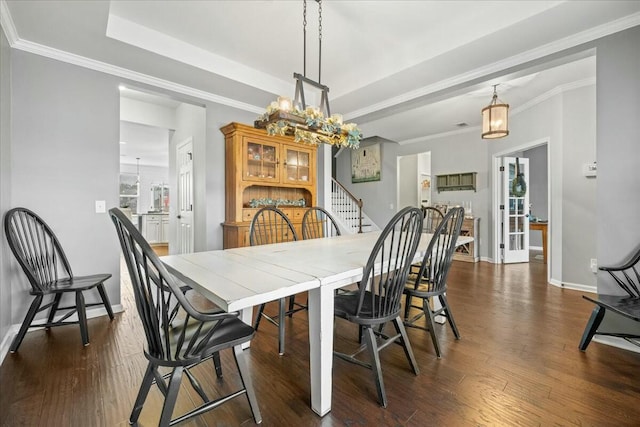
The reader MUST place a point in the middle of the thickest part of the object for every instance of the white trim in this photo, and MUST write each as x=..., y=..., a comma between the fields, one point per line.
x=498, y=66
x=13, y=329
x=6, y=20
x=590, y=81
x=536, y=248
x=114, y=70
x=573, y=286
x=539, y=52
x=616, y=342
x=157, y=42
x=487, y=259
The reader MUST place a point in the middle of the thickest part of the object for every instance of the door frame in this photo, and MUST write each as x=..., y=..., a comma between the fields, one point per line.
x=496, y=216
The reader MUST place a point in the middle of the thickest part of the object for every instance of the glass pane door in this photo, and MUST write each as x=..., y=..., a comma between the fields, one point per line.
x=516, y=210
x=261, y=161
x=298, y=165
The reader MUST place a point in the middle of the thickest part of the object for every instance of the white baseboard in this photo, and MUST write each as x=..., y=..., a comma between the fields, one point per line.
x=574, y=286
x=13, y=329
x=487, y=259
x=616, y=342
x=535, y=248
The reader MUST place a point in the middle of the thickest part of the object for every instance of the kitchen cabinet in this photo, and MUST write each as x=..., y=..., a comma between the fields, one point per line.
x=155, y=228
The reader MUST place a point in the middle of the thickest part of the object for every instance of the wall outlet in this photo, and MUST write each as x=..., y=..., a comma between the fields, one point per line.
x=391, y=206
x=594, y=265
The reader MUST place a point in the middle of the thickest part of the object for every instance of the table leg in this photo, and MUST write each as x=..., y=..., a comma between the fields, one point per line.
x=544, y=244
x=321, y=347
x=246, y=315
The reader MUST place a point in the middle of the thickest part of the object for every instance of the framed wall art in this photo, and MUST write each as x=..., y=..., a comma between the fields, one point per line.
x=365, y=164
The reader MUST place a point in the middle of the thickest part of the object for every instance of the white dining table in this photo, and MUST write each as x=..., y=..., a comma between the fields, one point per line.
x=241, y=278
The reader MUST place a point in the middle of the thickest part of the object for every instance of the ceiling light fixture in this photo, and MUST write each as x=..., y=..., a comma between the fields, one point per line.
x=309, y=125
x=495, y=118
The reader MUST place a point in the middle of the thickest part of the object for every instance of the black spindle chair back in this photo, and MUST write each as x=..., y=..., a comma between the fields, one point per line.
x=318, y=223
x=271, y=225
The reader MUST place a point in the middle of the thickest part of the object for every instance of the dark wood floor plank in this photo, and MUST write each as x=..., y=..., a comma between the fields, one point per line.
x=517, y=363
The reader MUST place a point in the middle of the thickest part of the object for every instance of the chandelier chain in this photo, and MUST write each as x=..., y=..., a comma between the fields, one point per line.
x=304, y=38
x=319, y=40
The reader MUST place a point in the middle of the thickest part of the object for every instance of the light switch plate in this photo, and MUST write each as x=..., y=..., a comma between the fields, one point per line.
x=101, y=206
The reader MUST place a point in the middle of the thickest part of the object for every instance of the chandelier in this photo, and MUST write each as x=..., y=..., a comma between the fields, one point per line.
x=495, y=118
x=308, y=124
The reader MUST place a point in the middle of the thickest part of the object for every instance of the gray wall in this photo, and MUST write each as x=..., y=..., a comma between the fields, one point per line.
x=379, y=197
x=5, y=180
x=579, y=220
x=65, y=156
x=537, y=187
x=618, y=148
x=408, y=181
x=467, y=152
x=217, y=117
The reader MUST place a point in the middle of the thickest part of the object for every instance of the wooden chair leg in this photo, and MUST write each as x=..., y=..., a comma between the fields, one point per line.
x=105, y=300
x=171, y=397
x=147, y=381
x=33, y=309
x=431, y=325
x=406, y=345
x=217, y=364
x=54, y=308
x=82, y=318
x=407, y=306
x=445, y=303
x=292, y=302
x=245, y=377
x=259, y=316
x=376, y=368
x=592, y=326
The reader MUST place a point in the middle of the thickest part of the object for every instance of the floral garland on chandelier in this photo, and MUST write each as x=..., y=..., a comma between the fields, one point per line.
x=310, y=126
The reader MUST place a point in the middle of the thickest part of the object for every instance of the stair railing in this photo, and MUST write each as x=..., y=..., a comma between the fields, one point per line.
x=346, y=205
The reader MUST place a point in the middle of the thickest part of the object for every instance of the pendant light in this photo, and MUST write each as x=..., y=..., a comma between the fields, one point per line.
x=495, y=118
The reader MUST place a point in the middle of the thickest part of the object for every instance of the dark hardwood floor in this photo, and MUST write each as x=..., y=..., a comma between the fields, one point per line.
x=517, y=363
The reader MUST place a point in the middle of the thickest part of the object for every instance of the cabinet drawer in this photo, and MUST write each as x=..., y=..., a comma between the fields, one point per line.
x=248, y=214
x=297, y=214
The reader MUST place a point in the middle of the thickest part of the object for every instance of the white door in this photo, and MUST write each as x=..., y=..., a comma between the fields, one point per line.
x=185, y=196
x=515, y=209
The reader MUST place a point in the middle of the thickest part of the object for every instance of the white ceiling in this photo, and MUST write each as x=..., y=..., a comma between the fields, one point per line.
x=403, y=70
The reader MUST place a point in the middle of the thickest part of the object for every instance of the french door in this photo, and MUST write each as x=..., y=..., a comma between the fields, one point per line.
x=515, y=209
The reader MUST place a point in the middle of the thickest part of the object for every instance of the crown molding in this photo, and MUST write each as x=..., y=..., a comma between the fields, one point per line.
x=125, y=73
x=6, y=21
x=530, y=55
x=513, y=112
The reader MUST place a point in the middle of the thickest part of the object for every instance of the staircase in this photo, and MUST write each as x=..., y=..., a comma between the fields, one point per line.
x=347, y=211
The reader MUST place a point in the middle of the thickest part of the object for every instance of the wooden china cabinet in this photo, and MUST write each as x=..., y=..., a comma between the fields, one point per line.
x=264, y=170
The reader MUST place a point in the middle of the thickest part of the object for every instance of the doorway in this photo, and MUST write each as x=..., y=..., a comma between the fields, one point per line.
x=414, y=180
x=537, y=201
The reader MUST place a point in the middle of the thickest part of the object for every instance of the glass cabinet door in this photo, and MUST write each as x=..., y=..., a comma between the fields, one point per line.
x=298, y=165
x=261, y=161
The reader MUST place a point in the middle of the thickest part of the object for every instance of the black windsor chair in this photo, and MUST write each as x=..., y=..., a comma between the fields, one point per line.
x=45, y=264
x=271, y=225
x=378, y=297
x=318, y=223
x=430, y=280
x=181, y=340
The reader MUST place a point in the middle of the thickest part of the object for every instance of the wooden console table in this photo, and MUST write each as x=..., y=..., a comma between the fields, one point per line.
x=542, y=226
